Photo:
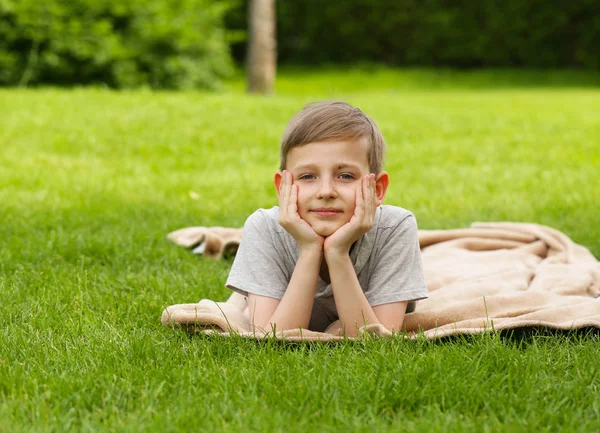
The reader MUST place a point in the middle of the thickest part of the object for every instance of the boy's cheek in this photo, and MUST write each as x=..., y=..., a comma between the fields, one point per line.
x=302, y=199
x=302, y=209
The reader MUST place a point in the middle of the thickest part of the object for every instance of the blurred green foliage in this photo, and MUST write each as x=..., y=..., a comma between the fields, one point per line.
x=183, y=44
x=453, y=33
x=157, y=43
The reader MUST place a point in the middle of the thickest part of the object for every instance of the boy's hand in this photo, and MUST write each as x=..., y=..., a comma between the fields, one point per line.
x=364, y=215
x=289, y=218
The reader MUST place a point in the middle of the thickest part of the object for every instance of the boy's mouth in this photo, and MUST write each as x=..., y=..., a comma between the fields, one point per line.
x=326, y=212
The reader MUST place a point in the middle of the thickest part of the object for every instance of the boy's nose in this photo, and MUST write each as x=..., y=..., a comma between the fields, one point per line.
x=327, y=189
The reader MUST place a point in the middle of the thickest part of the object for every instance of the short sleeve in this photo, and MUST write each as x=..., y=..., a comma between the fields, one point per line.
x=397, y=273
x=259, y=266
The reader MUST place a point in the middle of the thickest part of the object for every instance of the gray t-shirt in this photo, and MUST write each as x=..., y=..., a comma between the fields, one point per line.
x=386, y=259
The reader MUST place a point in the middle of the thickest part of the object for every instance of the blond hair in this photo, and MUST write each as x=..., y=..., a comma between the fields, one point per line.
x=333, y=120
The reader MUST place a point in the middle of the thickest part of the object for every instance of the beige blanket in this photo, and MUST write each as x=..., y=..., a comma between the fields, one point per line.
x=488, y=277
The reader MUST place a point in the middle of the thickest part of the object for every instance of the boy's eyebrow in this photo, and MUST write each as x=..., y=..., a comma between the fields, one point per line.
x=346, y=165
x=339, y=166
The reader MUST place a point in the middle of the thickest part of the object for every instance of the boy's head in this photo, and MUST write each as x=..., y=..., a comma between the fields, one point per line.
x=328, y=147
x=333, y=121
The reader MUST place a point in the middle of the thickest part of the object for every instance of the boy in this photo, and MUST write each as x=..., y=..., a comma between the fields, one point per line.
x=331, y=257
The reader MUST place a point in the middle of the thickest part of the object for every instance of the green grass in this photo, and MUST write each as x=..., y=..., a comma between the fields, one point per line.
x=92, y=180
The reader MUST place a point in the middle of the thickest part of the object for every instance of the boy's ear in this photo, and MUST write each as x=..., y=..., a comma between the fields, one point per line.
x=277, y=180
x=382, y=180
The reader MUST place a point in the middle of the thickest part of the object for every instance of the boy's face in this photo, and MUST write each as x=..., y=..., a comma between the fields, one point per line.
x=327, y=175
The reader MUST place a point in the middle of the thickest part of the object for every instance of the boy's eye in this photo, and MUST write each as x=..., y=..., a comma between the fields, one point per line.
x=343, y=176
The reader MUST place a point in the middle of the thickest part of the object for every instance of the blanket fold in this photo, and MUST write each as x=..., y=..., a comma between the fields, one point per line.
x=488, y=277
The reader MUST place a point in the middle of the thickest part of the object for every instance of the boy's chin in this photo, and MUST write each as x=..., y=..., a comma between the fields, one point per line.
x=325, y=229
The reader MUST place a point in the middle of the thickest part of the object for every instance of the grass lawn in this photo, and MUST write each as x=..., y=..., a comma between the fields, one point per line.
x=92, y=180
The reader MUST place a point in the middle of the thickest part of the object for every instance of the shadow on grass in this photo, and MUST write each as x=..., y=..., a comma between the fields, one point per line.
x=519, y=337
x=369, y=78
x=524, y=336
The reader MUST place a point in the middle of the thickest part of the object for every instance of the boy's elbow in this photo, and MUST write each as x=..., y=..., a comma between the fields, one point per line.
x=265, y=327
x=391, y=315
x=273, y=327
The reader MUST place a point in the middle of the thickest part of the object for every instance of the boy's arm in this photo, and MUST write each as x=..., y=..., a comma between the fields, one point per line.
x=351, y=303
x=352, y=306
x=295, y=308
x=391, y=315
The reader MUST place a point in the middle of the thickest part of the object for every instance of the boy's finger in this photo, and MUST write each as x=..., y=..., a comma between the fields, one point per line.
x=368, y=201
x=284, y=193
x=288, y=184
x=293, y=203
x=282, y=183
x=360, y=202
x=366, y=191
x=373, y=192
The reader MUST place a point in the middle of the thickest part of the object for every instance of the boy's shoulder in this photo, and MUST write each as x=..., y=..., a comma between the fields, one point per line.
x=265, y=219
x=263, y=229
x=393, y=216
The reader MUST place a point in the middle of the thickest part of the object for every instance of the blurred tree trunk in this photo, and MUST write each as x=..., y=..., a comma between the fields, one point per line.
x=261, y=59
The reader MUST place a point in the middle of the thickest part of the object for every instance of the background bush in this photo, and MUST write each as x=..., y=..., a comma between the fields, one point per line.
x=451, y=33
x=186, y=43
x=160, y=43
